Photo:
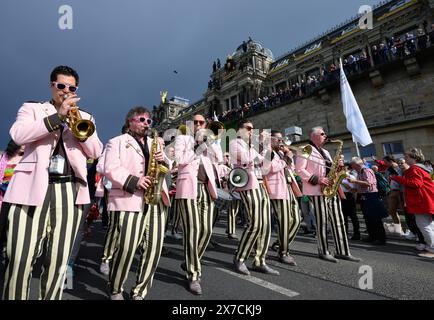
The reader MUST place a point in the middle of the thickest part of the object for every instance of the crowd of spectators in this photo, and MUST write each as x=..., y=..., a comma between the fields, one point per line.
x=387, y=51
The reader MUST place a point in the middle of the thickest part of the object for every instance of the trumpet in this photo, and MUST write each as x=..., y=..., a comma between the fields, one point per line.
x=80, y=128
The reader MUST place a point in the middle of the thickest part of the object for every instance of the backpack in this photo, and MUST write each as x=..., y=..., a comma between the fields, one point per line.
x=382, y=184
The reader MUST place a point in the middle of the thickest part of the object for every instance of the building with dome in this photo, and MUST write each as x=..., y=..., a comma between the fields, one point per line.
x=390, y=69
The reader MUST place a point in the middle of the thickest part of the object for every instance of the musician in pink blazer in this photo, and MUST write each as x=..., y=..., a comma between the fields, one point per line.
x=283, y=190
x=48, y=189
x=313, y=172
x=196, y=191
x=255, y=199
x=127, y=158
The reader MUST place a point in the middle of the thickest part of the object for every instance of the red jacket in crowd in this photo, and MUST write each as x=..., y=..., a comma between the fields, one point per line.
x=419, y=190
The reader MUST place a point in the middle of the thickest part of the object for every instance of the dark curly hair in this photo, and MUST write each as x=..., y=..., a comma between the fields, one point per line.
x=12, y=148
x=132, y=113
x=66, y=71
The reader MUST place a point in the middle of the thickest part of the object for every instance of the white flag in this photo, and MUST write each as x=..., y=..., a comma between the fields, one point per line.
x=215, y=118
x=355, y=122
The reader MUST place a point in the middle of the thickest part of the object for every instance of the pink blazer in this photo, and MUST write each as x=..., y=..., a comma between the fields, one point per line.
x=242, y=158
x=277, y=186
x=188, y=167
x=124, y=164
x=99, y=192
x=36, y=128
x=313, y=166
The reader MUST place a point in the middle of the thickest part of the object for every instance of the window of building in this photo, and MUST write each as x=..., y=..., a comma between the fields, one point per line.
x=368, y=151
x=393, y=148
x=227, y=104
x=346, y=152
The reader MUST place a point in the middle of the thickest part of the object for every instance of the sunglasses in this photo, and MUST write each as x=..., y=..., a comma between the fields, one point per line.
x=248, y=128
x=199, y=122
x=143, y=119
x=62, y=86
x=323, y=134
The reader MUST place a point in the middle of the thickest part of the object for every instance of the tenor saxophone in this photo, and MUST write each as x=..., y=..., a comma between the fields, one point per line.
x=336, y=174
x=157, y=172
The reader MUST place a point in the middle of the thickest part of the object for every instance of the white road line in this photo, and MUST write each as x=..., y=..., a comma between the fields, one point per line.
x=263, y=283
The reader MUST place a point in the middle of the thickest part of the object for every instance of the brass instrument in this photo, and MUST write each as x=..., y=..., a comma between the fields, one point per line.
x=183, y=129
x=157, y=172
x=336, y=174
x=304, y=152
x=215, y=126
x=80, y=128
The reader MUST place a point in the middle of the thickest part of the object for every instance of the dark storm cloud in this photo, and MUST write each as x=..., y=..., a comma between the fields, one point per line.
x=127, y=51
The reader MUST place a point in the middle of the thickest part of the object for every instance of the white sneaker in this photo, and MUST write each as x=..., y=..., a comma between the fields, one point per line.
x=117, y=296
x=104, y=268
x=410, y=235
x=420, y=247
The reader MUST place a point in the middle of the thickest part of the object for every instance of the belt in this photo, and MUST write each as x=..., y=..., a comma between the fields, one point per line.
x=61, y=179
x=396, y=190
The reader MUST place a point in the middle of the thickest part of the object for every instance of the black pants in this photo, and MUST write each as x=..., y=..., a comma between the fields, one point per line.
x=373, y=211
x=410, y=220
x=349, y=210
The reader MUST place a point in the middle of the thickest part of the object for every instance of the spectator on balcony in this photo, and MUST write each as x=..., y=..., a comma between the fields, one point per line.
x=376, y=55
x=431, y=35
x=422, y=38
x=400, y=48
x=410, y=43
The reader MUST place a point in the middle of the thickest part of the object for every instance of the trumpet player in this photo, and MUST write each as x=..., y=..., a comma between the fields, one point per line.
x=48, y=189
x=315, y=175
x=283, y=190
x=256, y=201
x=196, y=191
x=138, y=225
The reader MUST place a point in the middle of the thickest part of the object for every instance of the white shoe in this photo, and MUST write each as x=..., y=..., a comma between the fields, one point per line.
x=426, y=254
x=420, y=247
x=410, y=235
x=104, y=268
x=117, y=296
x=397, y=228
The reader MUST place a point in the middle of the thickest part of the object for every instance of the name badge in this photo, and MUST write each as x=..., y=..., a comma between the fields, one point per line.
x=57, y=165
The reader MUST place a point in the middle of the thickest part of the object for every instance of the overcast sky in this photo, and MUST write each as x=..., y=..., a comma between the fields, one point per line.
x=126, y=51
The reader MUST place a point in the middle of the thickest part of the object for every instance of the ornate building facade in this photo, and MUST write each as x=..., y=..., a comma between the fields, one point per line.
x=392, y=82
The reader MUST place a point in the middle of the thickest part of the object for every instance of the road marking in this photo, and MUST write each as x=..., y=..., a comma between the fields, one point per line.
x=263, y=283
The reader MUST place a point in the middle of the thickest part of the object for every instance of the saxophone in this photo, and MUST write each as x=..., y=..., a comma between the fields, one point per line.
x=336, y=174
x=157, y=172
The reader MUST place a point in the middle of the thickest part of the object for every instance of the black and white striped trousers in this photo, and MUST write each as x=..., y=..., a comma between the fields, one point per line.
x=288, y=221
x=111, y=237
x=176, y=219
x=143, y=231
x=197, y=221
x=258, y=232
x=233, y=209
x=53, y=225
x=329, y=209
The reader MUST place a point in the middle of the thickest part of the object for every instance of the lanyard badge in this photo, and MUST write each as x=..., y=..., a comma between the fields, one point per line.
x=57, y=164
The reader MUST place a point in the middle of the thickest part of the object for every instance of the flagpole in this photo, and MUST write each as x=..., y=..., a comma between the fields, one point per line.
x=357, y=149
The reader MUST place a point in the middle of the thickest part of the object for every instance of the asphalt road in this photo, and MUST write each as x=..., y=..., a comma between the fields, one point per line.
x=397, y=273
